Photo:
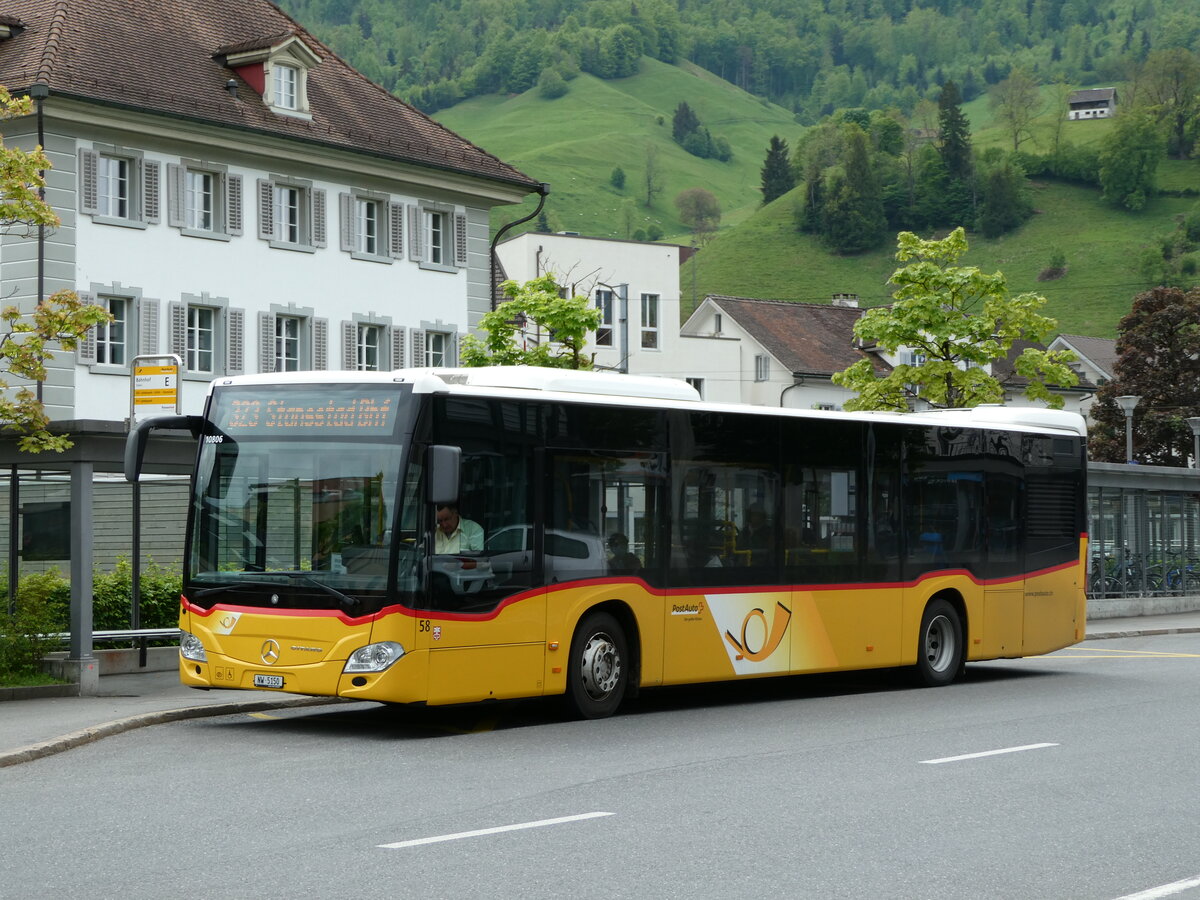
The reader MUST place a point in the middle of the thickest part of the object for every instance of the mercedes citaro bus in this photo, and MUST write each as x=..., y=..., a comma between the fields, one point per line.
x=606, y=533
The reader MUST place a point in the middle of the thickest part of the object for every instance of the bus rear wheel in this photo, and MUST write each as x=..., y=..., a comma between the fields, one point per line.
x=941, y=648
x=598, y=672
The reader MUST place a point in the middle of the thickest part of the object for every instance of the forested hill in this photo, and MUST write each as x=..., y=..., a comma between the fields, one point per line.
x=809, y=56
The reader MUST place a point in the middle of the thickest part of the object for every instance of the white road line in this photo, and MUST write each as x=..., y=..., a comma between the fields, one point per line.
x=1165, y=890
x=946, y=759
x=498, y=830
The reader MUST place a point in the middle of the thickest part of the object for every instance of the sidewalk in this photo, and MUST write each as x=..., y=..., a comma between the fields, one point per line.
x=32, y=729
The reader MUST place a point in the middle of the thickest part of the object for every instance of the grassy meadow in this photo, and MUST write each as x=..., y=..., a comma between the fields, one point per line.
x=575, y=141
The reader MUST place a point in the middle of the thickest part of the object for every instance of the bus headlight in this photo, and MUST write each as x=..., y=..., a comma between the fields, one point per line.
x=374, y=657
x=191, y=648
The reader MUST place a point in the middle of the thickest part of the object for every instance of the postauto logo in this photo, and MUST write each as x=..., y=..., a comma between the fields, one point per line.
x=751, y=638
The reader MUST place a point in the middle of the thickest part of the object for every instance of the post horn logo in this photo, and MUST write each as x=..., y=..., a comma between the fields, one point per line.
x=270, y=652
x=783, y=616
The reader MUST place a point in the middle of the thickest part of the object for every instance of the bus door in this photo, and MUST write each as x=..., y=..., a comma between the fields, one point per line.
x=482, y=615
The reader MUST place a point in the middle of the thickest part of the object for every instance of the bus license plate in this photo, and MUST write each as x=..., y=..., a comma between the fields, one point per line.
x=268, y=681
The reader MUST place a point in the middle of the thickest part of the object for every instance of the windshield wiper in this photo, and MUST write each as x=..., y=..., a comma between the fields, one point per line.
x=347, y=601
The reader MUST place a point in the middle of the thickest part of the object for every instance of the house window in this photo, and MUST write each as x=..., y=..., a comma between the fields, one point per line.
x=435, y=235
x=650, y=321
x=291, y=214
x=113, y=184
x=367, y=221
x=370, y=338
x=111, y=338
x=199, y=207
x=698, y=384
x=201, y=339
x=285, y=86
x=437, y=345
x=717, y=323
x=604, y=332
x=287, y=343
x=762, y=367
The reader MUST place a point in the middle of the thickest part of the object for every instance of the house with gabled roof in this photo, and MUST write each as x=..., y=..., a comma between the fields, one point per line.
x=1092, y=103
x=237, y=196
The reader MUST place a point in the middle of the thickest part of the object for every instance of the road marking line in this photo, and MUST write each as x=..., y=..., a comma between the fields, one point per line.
x=946, y=759
x=1165, y=890
x=262, y=716
x=1148, y=656
x=1154, y=653
x=562, y=820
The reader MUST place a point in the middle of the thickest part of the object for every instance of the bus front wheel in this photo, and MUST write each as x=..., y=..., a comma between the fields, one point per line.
x=599, y=667
x=941, y=650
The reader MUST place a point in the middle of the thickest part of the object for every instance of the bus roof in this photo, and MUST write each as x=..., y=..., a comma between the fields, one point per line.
x=637, y=390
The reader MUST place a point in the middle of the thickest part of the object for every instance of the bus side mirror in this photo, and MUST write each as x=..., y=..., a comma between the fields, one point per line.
x=135, y=443
x=444, y=464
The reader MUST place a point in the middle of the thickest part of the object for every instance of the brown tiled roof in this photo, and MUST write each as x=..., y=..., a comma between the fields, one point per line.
x=1101, y=352
x=159, y=57
x=1003, y=369
x=1090, y=94
x=809, y=338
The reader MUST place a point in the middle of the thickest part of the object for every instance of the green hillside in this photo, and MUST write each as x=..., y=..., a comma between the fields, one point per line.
x=575, y=141
x=765, y=257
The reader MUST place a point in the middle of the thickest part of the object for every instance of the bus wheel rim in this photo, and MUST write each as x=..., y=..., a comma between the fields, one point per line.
x=601, y=669
x=939, y=643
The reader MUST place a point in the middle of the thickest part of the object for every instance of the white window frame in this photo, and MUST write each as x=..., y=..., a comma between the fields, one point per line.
x=650, y=314
x=199, y=319
x=437, y=234
x=604, y=331
x=371, y=226
x=762, y=367
x=291, y=214
x=437, y=237
x=201, y=329
x=115, y=334
x=370, y=341
x=288, y=346
x=204, y=200
x=285, y=86
x=437, y=346
x=698, y=384
x=118, y=186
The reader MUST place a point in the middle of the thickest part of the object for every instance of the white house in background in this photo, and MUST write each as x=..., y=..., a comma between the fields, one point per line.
x=1097, y=360
x=235, y=194
x=1092, y=103
x=634, y=284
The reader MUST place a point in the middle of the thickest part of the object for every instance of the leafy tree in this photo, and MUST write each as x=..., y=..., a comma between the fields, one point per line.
x=1170, y=84
x=1016, y=102
x=699, y=211
x=1158, y=348
x=684, y=122
x=852, y=218
x=61, y=319
x=1004, y=202
x=652, y=176
x=559, y=325
x=777, y=177
x=551, y=84
x=617, y=178
x=1129, y=159
x=960, y=320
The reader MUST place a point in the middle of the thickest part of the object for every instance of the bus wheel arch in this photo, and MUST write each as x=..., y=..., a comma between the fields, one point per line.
x=942, y=640
x=604, y=663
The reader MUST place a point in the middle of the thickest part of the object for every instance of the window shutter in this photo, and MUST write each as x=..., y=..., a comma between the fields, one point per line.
x=320, y=344
x=418, y=348
x=266, y=342
x=396, y=232
x=150, y=193
x=178, y=313
x=148, y=326
x=175, y=200
x=347, y=222
x=266, y=214
x=349, y=345
x=460, y=240
x=397, y=360
x=318, y=218
x=235, y=342
x=89, y=162
x=233, y=205
x=85, y=350
x=416, y=234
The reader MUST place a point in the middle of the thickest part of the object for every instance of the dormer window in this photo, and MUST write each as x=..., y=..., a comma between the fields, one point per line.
x=285, y=84
x=277, y=68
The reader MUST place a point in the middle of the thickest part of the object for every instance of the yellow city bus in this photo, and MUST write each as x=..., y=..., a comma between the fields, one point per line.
x=449, y=536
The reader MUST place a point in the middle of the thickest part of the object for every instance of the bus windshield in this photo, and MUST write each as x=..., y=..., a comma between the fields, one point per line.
x=296, y=486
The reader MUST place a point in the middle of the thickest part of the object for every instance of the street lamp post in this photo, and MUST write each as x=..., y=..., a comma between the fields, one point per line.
x=1128, y=402
x=1194, y=424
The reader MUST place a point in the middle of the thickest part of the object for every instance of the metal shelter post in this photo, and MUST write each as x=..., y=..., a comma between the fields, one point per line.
x=80, y=657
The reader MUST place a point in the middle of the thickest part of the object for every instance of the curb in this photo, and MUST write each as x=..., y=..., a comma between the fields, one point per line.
x=1141, y=632
x=142, y=720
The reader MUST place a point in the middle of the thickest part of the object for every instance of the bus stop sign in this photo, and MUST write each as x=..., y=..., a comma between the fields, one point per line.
x=155, y=388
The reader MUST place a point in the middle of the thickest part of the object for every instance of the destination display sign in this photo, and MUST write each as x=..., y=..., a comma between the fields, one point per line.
x=312, y=411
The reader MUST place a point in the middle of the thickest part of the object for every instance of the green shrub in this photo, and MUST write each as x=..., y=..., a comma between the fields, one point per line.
x=42, y=603
x=112, y=593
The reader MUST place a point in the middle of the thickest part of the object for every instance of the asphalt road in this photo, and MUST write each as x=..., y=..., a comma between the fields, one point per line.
x=1066, y=776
